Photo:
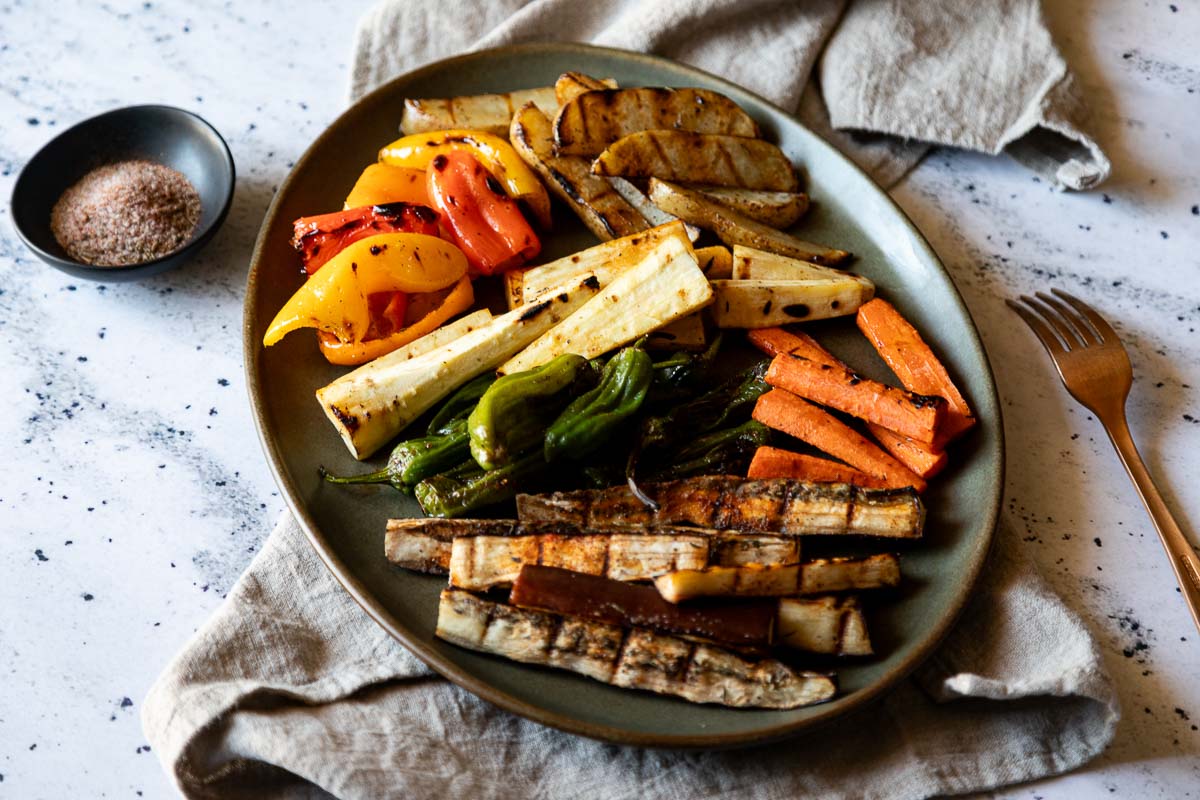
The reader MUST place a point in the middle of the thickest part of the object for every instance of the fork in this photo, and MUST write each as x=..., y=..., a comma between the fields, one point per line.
x=1095, y=368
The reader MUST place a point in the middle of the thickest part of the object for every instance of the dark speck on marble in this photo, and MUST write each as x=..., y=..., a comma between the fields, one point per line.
x=40, y=555
x=222, y=381
x=88, y=596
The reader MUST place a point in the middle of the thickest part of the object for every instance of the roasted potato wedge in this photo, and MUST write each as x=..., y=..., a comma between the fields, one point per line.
x=593, y=199
x=765, y=304
x=572, y=84
x=699, y=158
x=590, y=121
x=481, y=112
x=777, y=209
x=734, y=228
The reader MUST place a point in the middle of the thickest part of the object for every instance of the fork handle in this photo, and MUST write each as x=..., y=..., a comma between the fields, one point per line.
x=1183, y=558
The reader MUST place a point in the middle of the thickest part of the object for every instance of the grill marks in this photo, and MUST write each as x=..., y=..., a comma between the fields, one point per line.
x=709, y=159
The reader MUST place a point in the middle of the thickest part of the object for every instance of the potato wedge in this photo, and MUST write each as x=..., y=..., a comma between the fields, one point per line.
x=605, y=261
x=590, y=121
x=653, y=214
x=716, y=261
x=593, y=199
x=750, y=264
x=765, y=304
x=373, y=403
x=572, y=84
x=663, y=286
x=777, y=209
x=735, y=228
x=699, y=158
x=481, y=112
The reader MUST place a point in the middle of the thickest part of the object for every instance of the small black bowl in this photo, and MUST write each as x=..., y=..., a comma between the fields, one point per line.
x=171, y=136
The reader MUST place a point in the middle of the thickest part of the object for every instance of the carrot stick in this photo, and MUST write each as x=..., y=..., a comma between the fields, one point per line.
x=915, y=416
x=918, y=457
x=772, y=462
x=786, y=412
x=774, y=341
x=901, y=346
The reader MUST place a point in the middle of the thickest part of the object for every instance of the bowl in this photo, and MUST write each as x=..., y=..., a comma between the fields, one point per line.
x=171, y=136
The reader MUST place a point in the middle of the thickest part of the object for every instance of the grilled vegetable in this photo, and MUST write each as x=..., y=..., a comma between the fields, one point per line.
x=638, y=199
x=481, y=112
x=660, y=288
x=774, y=341
x=771, y=462
x=572, y=84
x=483, y=221
x=575, y=594
x=685, y=333
x=716, y=261
x=751, y=264
x=766, y=304
x=635, y=659
x=453, y=494
x=460, y=404
x=924, y=459
x=777, y=209
x=590, y=121
x=832, y=625
x=321, y=237
x=723, y=452
x=602, y=209
x=375, y=402
x=383, y=184
x=781, y=580
x=593, y=418
x=414, y=460
x=495, y=153
x=485, y=553
x=776, y=506
x=734, y=228
x=698, y=158
x=784, y=411
x=511, y=417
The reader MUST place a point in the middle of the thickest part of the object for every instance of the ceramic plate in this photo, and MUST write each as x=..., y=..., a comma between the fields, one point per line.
x=346, y=524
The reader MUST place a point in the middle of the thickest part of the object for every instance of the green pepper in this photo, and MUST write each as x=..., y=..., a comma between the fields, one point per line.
x=459, y=404
x=512, y=415
x=723, y=452
x=587, y=424
x=467, y=488
x=678, y=376
x=414, y=460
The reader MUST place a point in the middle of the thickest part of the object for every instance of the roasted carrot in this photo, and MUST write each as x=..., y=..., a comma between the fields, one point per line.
x=772, y=462
x=901, y=346
x=922, y=459
x=913, y=415
x=786, y=412
x=774, y=341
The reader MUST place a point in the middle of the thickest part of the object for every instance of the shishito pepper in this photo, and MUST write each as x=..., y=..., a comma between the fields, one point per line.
x=335, y=299
x=724, y=452
x=511, y=416
x=497, y=156
x=414, y=460
x=467, y=488
x=459, y=405
x=588, y=423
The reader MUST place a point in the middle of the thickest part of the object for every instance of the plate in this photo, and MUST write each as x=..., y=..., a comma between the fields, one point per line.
x=346, y=524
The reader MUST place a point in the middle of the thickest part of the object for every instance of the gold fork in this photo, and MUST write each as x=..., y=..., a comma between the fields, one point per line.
x=1095, y=368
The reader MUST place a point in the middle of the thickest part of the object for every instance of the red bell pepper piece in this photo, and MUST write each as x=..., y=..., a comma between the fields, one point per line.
x=480, y=217
x=322, y=237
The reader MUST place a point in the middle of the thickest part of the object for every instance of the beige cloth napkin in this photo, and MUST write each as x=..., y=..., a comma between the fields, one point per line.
x=290, y=690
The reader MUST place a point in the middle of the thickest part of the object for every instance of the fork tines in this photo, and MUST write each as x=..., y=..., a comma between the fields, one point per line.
x=1061, y=328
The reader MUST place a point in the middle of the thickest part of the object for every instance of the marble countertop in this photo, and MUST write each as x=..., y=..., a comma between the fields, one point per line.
x=136, y=491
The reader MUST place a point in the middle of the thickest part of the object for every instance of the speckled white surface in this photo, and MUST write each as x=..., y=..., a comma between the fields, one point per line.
x=135, y=490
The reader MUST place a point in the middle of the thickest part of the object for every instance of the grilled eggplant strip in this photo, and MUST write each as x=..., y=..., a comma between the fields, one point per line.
x=603, y=209
x=820, y=576
x=829, y=625
x=635, y=659
x=779, y=506
x=490, y=552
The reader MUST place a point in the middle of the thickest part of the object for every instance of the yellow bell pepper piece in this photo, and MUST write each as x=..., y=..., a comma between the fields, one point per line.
x=334, y=299
x=460, y=298
x=380, y=184
x=496, y=155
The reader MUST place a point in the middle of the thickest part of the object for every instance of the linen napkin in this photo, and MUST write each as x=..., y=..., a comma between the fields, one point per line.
x=290, y=690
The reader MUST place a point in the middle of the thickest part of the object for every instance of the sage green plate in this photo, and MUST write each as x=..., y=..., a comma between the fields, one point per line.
x=346, y=524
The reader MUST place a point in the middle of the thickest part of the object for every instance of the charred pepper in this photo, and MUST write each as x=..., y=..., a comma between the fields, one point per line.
x=723, y=452
x=468, y=488
x=414, y=460
x=587, y=424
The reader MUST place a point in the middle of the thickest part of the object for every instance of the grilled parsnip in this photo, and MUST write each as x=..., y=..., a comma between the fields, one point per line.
x=779, y=506
x=572, y=84
x=685, y=333
x=751, y=264
x=831, y=625
x=716, y=261
x=633, y=659
x=604, y=211
x=767, y=304
x=492, y=548
x=777, y=209
x=734, y=228
x=699, y=158
x=481, y=112
x=590, y=121
x=662, y=287
x=373, y=403
x=819, y=576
